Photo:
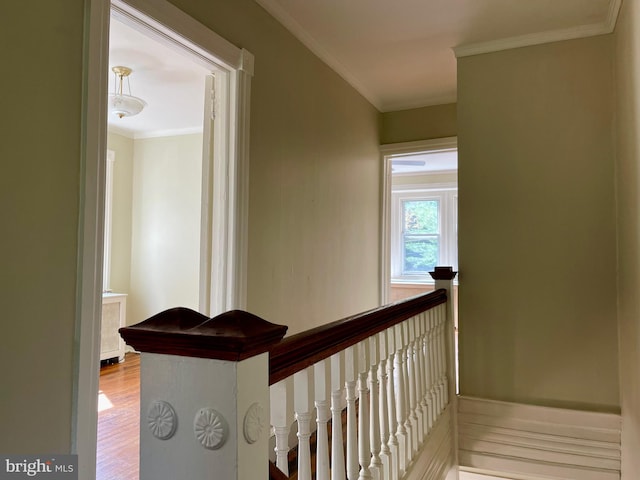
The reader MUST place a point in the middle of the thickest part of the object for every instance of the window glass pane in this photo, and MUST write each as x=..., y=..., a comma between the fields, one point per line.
x=420, y=216
x=421, y=254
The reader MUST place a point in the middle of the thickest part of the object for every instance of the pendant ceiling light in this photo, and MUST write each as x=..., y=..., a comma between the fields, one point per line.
x=121, y=104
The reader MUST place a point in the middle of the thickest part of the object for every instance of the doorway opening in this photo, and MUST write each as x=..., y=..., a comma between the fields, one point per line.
x=220, y=169
x=154, y=197
x=420, y=218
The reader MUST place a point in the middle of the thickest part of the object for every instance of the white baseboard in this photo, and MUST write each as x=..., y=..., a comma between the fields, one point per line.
x=538, y=442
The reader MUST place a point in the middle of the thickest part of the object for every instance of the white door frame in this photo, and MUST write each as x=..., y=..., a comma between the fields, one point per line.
x=227, y=200
x=387, y=152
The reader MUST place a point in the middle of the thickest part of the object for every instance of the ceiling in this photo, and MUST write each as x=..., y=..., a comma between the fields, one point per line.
x=399, y=54
x=170, y=82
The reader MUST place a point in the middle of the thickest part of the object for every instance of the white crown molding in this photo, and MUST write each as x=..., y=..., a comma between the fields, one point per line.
x=612, y=14
x=172, y=132
x=411, y=105
x=580, y=31
x=280, y=14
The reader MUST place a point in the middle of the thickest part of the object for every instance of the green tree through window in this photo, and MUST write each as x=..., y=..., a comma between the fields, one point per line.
x=421, y=236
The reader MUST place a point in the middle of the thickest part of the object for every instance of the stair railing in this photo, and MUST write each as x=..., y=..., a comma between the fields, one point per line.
x=213, y=391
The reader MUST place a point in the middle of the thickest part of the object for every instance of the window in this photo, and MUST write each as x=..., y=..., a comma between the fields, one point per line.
x=424, y=230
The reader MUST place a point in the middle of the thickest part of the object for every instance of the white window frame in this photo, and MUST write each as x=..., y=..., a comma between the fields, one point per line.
x=387, y=153
x=229, y=195
x=446, y=194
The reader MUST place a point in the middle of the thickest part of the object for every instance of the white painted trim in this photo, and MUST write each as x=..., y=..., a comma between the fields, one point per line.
x=240, y=228
x=436, y=457
x=612, y=14
x=385, y=234
x=108, y=220
x=170, y=24
x=164, y=20
x=90, y=237
x=479, y=474
x=538, y=442
x=206, y=206
x=387, y=152
x=425, y=173
x=172, y=132
x=394, y=149
x=279, y=13
x=580, y=31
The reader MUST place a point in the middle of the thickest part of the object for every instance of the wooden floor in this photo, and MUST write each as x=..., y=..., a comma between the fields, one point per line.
x=119, y=420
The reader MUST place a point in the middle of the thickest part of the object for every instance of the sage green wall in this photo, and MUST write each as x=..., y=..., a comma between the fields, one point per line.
x=39, y=193
x=121, y=216
x=424, y=123
x=314, y=198
x=537, y=239
x=315, y=176
x=627, y=38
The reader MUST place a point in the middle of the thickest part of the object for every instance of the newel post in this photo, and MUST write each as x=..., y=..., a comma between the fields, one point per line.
x=204, y=394
x=443, y=277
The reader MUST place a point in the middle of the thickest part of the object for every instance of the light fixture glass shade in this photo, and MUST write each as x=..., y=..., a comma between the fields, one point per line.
x=125, y=105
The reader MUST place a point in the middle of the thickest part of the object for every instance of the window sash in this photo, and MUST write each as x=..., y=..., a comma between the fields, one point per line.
x=446, y=234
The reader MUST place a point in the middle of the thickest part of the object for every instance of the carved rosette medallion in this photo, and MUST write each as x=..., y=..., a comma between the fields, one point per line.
x=210, y=428
x=254, y=423
x=162, y=420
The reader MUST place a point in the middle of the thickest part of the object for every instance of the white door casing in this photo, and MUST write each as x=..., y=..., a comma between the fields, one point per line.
x=227, y=197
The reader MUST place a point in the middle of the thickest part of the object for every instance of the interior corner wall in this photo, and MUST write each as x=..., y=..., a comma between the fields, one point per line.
x=627, y=37
x=537, y=232
x=437, y=121
x=315, y=176
x=121, y=212
x=165, y=219
x=39, y=192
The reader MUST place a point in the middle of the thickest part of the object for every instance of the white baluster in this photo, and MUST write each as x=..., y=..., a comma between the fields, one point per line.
x=417, y=362
x=322, y=380
x=424, y=377
x=303, y=398
x=434, y=363
x=350, y=385
x=337, y=446
x=443, y=342
x=374, y=410
x=383, y=415
x=281, y=395
x=401, y=432
x=429, y=371
x=364, y=452
x=406, y=360
x=441, y=356
x=411, y=372
x=391, y=399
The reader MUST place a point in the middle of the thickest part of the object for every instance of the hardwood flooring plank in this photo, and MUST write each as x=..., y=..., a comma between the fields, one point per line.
x=119, y=420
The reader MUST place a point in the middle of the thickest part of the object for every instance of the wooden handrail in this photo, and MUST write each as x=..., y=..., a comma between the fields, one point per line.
x=304, y=349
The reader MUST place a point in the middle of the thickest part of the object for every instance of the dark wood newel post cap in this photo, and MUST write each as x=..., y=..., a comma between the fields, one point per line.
x=234, y=335
x=443, y=273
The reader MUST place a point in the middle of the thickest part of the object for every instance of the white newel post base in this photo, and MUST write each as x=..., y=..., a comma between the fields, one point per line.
x=221, y=415
x=204, y=395
x=443, y=277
